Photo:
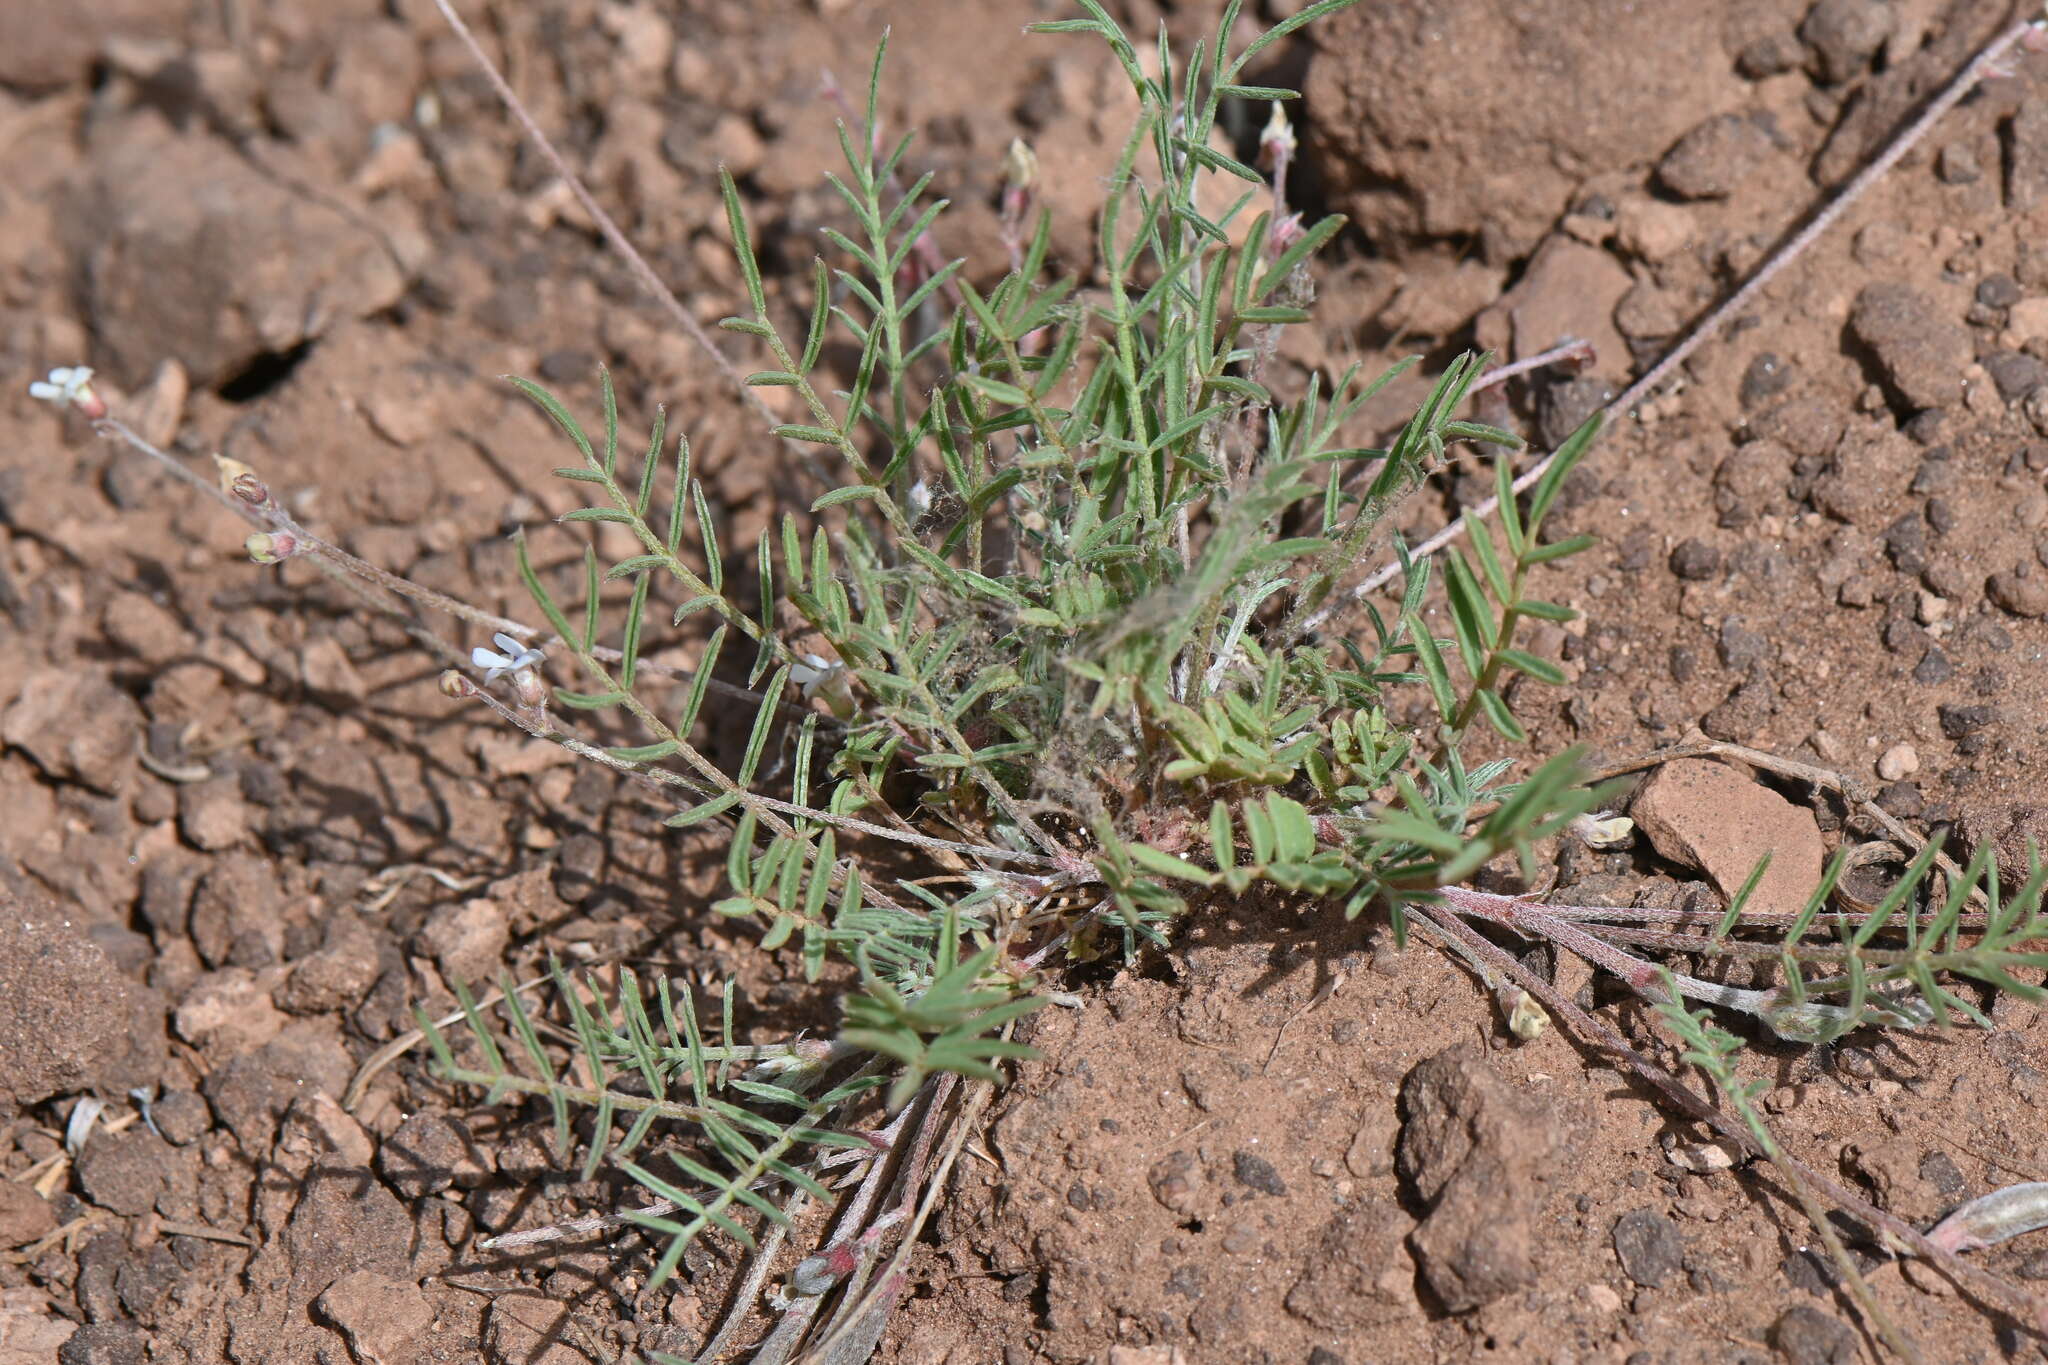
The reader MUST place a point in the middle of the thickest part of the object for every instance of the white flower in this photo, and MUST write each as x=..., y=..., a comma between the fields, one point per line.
x=813, y=671
x=516, y=659
x=826, y=679
x=69, y=386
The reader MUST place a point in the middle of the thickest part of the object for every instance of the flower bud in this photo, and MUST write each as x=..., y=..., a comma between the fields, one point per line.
x=268, y=547
x=528, y=690
x=1276, y=139
x=1020, y=164
x=455, y=687
x=230, y=471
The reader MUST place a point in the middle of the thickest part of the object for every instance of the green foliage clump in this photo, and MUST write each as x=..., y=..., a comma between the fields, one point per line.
x=1033, y=677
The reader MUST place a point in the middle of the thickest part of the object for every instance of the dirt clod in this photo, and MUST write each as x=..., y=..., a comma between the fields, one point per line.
x=103, y=1343
x=430, y=1153
x=1715, y=157
x=465, y=940
x=39, y=723
x=530, y=1330
x=1473, y=1148
x=2023, y=591
x=69, y=1020
x=1845, y=34
x=125, y=1172
x=1391, y=160
x=2026, y=176
x=381, y=1316
x=220, y=277
x=24, y=1214
x=1362, y=1276
x=1918, y=351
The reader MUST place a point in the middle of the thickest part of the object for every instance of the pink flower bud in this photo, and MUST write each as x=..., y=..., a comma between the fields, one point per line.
x=250, y=489
x=268, y=547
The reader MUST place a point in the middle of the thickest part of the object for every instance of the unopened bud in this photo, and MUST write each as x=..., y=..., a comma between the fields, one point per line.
x=268, y=547
x=816, y=1274
x=455, y=687
x=528, y=690
x=231, y=471
x=1276, y=139
x=250, y=489
x=1020, y=164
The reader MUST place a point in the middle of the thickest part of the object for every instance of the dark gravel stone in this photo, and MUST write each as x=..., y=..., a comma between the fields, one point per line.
x=1901, y=636
x=1905, y=541
x=1925, y=428
x=1933, y=668
x=1739, y=647
x=1255, y=1172
x=1767, y=376
x=1745, y=712
x=1935, y=475
x=1983, y=630
x=1684, y=664
x=1998, y=291
x=1939, y=1169
x=1903, y=800
x=1693, y=558
x=1649, y=1247
x=566, y=366
x=1563, y=408
x=2016, y=373
x=1958, y=720
x=1807, y=1336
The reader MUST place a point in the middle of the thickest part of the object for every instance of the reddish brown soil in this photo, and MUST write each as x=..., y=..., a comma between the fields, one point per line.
x=223, y=789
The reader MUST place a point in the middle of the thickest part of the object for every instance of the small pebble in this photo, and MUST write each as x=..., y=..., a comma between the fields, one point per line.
x=1695, y=559
x=1957, y=164
x=1933, y=668
x=1901, y=760
x=1998, y=291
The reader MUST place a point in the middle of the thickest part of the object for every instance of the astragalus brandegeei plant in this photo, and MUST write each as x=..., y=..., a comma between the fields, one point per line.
x=1047, y=665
